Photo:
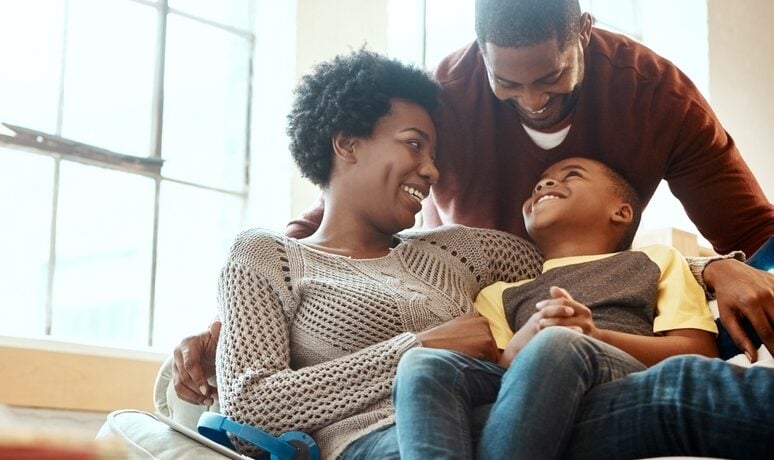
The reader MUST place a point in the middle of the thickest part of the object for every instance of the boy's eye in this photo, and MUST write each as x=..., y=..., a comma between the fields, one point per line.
x=572, y=174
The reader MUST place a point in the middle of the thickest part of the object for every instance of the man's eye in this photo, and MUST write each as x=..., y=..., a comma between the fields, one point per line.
x=416, y=144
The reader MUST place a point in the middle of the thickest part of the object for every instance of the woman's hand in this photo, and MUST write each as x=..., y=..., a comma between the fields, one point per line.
x=194, y=364
x=468, y=334
x=743, y=292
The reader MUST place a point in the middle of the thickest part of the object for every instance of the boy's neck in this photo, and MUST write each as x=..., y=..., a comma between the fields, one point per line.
x=573, y=247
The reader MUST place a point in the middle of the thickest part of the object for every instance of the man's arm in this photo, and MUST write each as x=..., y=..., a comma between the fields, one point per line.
x=308, y=222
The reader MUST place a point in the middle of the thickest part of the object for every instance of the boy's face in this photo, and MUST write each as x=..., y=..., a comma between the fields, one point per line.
x=572, y=195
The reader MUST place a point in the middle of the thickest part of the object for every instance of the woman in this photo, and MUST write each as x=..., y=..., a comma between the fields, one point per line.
x=313, y=329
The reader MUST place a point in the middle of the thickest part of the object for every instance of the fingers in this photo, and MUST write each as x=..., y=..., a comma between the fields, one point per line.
x=193, y=368
x=188, y=375
x=556, y=292
x=185, y=388
x=762, y=324
x=215, y=329
x=763, y=327
x=735, y=330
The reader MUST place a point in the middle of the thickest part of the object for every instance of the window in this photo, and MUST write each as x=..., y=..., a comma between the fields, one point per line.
x=123, y=164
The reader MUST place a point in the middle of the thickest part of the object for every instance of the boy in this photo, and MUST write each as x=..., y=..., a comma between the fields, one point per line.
x=646, y=303
x=583, y=217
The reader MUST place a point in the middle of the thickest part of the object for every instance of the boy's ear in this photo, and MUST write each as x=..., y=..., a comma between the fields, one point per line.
x=623, y=214
x=344, y=147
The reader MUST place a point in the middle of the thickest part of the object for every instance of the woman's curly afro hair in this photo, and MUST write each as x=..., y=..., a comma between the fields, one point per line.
x=348, y=94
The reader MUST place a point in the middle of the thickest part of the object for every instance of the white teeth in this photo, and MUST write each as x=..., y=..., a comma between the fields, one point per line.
x=539, y=111
x=547, y=197
x=413, y=192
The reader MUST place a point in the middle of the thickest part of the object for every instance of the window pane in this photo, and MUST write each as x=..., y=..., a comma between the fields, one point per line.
x=450, y=26
x=617, y=15
x=196, y=229
x=103, y=256
x=235, y=13
x=29, y=82
x=26, y=189
x=109, y=74
x=205, y=104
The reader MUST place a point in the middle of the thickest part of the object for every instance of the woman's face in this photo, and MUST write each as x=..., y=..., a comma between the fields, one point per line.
x=395, y=167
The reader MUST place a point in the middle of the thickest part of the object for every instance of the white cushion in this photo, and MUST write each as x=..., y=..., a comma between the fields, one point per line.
x=148, y=438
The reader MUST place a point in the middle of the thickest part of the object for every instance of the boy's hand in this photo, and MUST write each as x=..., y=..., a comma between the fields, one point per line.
x=562, y=310
x=559, y=310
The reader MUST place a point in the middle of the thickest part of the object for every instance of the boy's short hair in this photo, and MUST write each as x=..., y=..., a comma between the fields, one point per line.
x=628, y=194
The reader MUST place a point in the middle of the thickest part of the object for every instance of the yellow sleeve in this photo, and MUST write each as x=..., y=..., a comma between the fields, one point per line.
x=681, y=301
x=489, y=304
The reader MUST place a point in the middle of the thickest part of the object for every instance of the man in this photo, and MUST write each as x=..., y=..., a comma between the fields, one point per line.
x=541, y=84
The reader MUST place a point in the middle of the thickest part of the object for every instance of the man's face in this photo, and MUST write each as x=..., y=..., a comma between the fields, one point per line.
x=540, y=81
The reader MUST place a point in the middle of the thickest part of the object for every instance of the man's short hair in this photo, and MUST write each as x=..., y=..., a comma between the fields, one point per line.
x=515, y=23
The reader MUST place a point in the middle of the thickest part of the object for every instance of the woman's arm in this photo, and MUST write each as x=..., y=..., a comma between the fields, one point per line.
x=255, y=379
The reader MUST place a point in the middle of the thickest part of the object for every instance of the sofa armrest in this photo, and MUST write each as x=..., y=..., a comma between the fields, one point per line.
x=169, y=404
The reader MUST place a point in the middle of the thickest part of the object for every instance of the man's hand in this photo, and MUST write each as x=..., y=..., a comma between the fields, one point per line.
x=194, y=364
x=468, y=334
x=743, y=292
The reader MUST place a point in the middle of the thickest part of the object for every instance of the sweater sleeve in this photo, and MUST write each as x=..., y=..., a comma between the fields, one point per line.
x=506, y=257
x=256, y=381
x=708, y=175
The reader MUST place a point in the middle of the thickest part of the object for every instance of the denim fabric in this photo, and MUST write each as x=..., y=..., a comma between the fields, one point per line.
x=381, y=444
x=685, y=405
x=436, y=398
x=567, y=395
x=541, y=393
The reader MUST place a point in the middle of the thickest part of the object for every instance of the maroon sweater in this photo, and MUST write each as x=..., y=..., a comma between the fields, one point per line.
x=636, y=112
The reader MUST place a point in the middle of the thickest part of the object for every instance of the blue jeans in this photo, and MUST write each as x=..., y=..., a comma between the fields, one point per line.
x=553, y=401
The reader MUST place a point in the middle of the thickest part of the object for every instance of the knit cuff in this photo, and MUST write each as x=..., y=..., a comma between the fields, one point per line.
x=698, y=264
x=406, y=341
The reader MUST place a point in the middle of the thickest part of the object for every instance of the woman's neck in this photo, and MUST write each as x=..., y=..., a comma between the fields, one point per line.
x=347, y=235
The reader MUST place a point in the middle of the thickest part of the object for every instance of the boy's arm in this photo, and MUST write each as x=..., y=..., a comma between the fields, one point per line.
x=647, y=349
x=651, y=349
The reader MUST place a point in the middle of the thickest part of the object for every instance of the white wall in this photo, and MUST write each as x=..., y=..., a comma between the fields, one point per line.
x=291, y=37
x=327, y=28
x=741, y=47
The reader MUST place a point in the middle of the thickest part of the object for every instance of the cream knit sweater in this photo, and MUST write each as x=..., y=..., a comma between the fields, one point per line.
x=310, y=340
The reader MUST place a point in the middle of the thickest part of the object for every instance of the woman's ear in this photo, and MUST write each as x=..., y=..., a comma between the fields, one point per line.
x=624, y=214
x=344, y=147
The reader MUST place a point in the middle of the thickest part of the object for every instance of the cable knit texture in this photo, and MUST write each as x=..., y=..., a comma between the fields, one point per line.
x=310, y=340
